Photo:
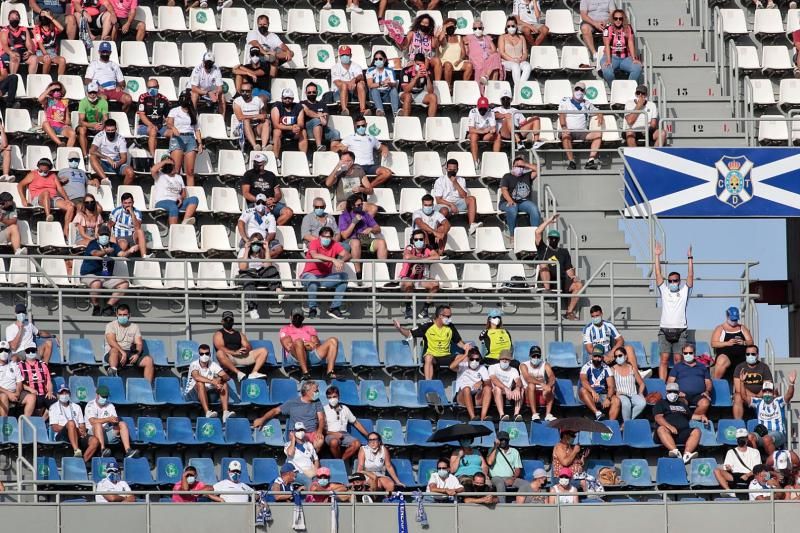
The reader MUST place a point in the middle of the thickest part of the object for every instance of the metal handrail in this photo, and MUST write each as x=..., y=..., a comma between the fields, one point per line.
x=24, y=421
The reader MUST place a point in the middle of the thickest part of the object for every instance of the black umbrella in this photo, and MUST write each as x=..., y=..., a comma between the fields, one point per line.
x=459, y=431
x=577, y=424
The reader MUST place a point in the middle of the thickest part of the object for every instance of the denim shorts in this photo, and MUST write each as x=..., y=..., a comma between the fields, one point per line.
x=185, y=142
x=142, y=130
x=461, y=203
x=172, y=208
x=108, y=169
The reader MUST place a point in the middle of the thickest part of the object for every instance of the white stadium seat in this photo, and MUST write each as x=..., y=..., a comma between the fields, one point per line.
x=767, y=23
x=775, y=59
x=333, y=22
x=477, y=276
x=214, y=240
x=192, y=54
x=494, y=165
x=560, y=22
x=544, y=58
x=73, y=51
x=458, y=240
x=733, y=22
x=147, y=274
x=294, y=164
x=622, y=91
x=166, y=54
x=287, y=238
x=179, y=275
x=323, y=163
x=427, y=164
x=202, y=20
x=182, y=240
x=408, y=129
x=527, y=94
x=439, y=130
x=573, y=57
x=224, y=200
x=364, y=24
x=411, y=199
x=466, y=165
x=170, y=19
x=762, y=93
x=301, y=22
x=773, y=129
x=234, y=20
x=133, y=54
x=466, y=93
x=226, y=55
x=464, y=19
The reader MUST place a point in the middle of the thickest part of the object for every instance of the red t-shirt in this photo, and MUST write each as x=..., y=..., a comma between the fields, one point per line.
x=796, y=36
x=321, y=268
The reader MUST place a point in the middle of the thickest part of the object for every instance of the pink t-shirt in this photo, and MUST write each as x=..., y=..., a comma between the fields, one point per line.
x=122, y=8
x=322, y=268
x=305, y=333
x=188, y=498
x=56, y=112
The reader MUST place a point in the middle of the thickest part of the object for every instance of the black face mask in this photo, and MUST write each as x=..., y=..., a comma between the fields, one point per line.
x=167, y=169
x=452, y=173
x=227, y=323
x=597, y=362
x=741, y=441
x=263, y=30
x=312, y=97
x=13, y=23
x=111, y=135
x=297, y=321
x=8, y=207
x=208, y=64
x=505, y=102
x=183, y=101
x=483, y=110
x=451, y=30
x=105, y=57
x=553, y=243
x=90, y=205
x=504, y=444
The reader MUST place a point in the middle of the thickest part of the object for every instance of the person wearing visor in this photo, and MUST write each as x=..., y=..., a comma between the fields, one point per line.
x=551, y=251
x=113, y=483
x=299, y=340
x=730, y=342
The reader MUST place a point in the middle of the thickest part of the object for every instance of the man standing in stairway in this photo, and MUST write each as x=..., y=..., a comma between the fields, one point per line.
x=551, y=251
x=673, y=327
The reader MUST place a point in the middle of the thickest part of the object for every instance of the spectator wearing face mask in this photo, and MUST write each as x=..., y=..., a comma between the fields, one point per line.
x=694, y=380
x=318, y=125
x=539, y=381
x=9, y=231
x=257, y=73
x=421, y=40
x=37, y=386
x=257, y=272
x=56, y=114
x=748, y=381
x=338, y=419
x=235, y=353
x=289, y=125
x=347, y=82
x=770, y=408
x=349, y=178
x=208, y=382
x=575, y=126
x=736, y=471
x=513, y=50
x=126, y=223
x=100, y=267
x=516, y=190
x=361, y=231
x=432, y=223
x=416, y=275
x=382, y=84
x=417, y=86
x=375, y=462
x=495, y=338
x=16, y=45
x=472, y=386
x=673, y=326
x=66, y=421
x=43, y=188
x=22, y=333
x=452, y=53
x=190, y=483
x=251, y=117
x=305, y=410
x=443, y=486
x=186, y=139
x=527, y=15
x=87, y=221
x=363, y=147
x=298, y=341
x=322, y=483
x=563, y=492
x=5, y=148
x=550, y=250
x=327, y=271
x=537, y=484
x=285, y=482
x=124, y=346
x=731, y=341
x=505, y=465
x=109, y=77
x=206, y=85
x=600, y=332
x=259, y=180
x=673, y=414
x=238, y=492
x=597, y=387
x=316, y=220
x=629, y=386
x=103, y=424
x=482, y=126
x=74, y=180
x=478, y=484
x=92, y=113
x=169, y=192
x=113, y=483
x=11, y=383
x=152, y=111
x=302, y=454
x=259, y=220
x=509, y=119
x=506, y=386
x=486, y=62
x=762, y=484
x=109, y=154
x=452, y=196
x=466, y=461
x=273, y=51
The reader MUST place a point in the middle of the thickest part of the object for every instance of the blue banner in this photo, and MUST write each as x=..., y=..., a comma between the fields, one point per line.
x=714, y=182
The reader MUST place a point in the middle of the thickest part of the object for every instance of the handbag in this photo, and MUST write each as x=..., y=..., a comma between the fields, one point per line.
x=672, y=335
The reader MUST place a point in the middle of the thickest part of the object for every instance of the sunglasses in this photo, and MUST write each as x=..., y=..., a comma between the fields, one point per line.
x=675, y=280
x=319, y=207
x=619, y=18
x=74, y=160
x=507, y=27
x=688, y=353
x=373, y=440
x=640, y=93
x=323, y=477
x=5, y=350
x=748, y=353
x=312, y=94
x=261, y=202
x=579, y=89
x=204, y=353
x=247, y=92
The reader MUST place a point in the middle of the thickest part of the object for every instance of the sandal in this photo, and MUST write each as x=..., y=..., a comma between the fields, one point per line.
x=331, y=376
x=571, y=316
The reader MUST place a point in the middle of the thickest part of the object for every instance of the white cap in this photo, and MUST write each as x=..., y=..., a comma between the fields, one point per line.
x=5, y=345
x=781, y=459
x=235, y=465
x=287, y=93
x=299, y=426
x=505, y=93
x=259, y=158
x=208, y=56
x=261, y=197
x=741, y=432
x=767, y=385
x=93, y=87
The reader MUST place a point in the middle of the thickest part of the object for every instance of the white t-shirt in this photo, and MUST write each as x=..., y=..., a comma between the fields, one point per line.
x=210, y=372
x=226, y=485
x=29, y=331
x=249, y=109
x=757, y=490
x=673, y=306
x=111, y=149
x=466, y=377
x=167, y=187
x=337, y=420
x=345, y=73
x=255, y=223
x=106, y=74
x=181, y=120
x=270, y=40
x=476, y=120
x=204, y=79
x=433, y=220
x=576, y=121
x=450, y=482
x=10, y=376
x=524, y=10
x=60, y=414
x=751, y=458
x=363, y=146
x=506, y=377
x=95, y=411
x=501, y=113
x=642, y=119
x=444, y=188
x=304, y=456
x=105, y=485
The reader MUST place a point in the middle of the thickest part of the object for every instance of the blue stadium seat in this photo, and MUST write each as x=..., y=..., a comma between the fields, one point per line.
x=137, y=472
x=81, y=389
x=205, y=469
x=209, y=431
x=671, y=472
x=131, y=423
x=405, y=472
x=56, y=357
x=652, y=385
x=99, y=467
x=364, y=356
x=80, y=353
x=348, y=392
x=43, y=434
x=726, y=431
x=635, y=473
x=116, y=389
x=593, y=466
x=638, y=434
x=368, y=425
x=446, y=422
x=9, y=431
x=151, y=431
x=391, y=431
x=487, y=441
x=418, y=431
x=140, y=392
x=708, y=437
x=751, y=425
x=168, y=391
x=47, y=469
x=156, y=349
x=641, y=354
x=238, y=431
x=543, y=435
x=425, y=469
x=655, y=356
x=528, y=466
x=185, y=353
x=398, y=357
x=338, y=470
x=272, y=361
x=721, y=394
x=565, y=394
x=702, y=473
x=562, y=355
x=168, y=471
x=256, y=392
x=403, y=393
x=614, y=438
x=522, y=350
x=289, y=362
x=265, y=471
x=517, y=432
x=245, y=468
x=57, y=382
x=373, y=393
x=179, y=430
x=702, y=347
x=431, y=385
x=283, y=389
x=74, y=469
x=270, y=434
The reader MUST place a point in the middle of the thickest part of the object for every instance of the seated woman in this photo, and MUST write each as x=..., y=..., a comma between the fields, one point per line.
x=564, y=491
x=629, y=386
x=257, y=272
x=45, y=40
x=453, y=53
x=486, y=62
x=361, y=231
x=375, y=462
x=514, y=52
x=56, y=114
x=466, y=461
x=87, y=220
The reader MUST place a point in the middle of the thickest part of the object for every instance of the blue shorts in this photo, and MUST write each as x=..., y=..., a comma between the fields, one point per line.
x=262, y=92
x=212, y=394
x=461, y=203
x=370, y=170
x=142, y=130
x=185, y=142
x=58, y=129
x=172, y=208
x=328, y=133
x=108, y=169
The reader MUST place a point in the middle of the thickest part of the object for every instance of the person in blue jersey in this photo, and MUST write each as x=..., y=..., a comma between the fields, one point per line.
x=770, y=433
x=597, y=390
x=601, y=332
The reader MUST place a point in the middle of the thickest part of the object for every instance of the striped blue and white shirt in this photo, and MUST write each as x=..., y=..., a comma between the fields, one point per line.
x=770, y=414
x=123, y=222
x=605, y=334
x=378, y=75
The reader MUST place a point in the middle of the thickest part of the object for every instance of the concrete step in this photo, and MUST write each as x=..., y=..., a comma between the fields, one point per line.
x=578, y=192
x=690, y=81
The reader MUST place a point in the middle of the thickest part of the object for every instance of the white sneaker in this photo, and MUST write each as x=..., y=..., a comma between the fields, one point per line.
x=49, y=218
x=223, y=5
x=240, y=376
x=675, y=453
x=105, y=181
x=254, y=314
x=226, y=415
x=474, y=227
x=211, y=414
x=189, y=221
x=687, y=457
x=646, y=373
x=21, y=251
x=256, y=375
x=327, y=6
x=550, y=418
x=535, y=417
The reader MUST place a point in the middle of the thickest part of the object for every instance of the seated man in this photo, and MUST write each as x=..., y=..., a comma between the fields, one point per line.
x=109, y=154
x=322, y=483
x=190, y=483
x=100, y=269
x=482, y=126
x=437, y=336
x=103, y=424
x=261, y=180
x=575, y=126
x=694, y=380
x=432, y=222
x=9, y=231
x=316, y=220
x=285, y=482
x=66, y=420
x=347, y=82
x=326, y=272
x=748, y=381
x=348, y=178
x=415, y=274
x=113, y=482
x=259, y=220
x=418, y=88
x=360, y=231
x=298, y=341
x=645, y=123
x=479, y=485
x=770, y=433
x=109, y=77
x=539, y=381
x=762, y=484
x=10, y=381
x=206, y=85
x=318, y=126
x=363, y=147
x=289, y=125
x=274, y=51
x=208, y=382
x=92, y=114
x=506, y=386
x=22, y=335
x=124, y=345
x=736, y=470
x=337, y=419
x=597, y=387
x=472, y=386
x=672, y=415
x=516, y=190
x=251, y=117
x=305, y=410
x=452, y=196
x=152, y=113
x=126, y=223
x=74, y=180
x=234, y=351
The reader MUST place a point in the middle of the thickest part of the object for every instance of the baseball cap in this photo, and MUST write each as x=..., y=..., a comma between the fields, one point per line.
x=733, y=313
x=506, y=354
x=20, y=308
x=358, y=476
x=323, y=471
x=5, y=196
x=673, y=387
x=112, y=467
x=93, y=87
x=287, y=93
x=234, y=466
x=483, y=102
x=503, y=435
x=539, y=473
x=642, y=89
x=598, y=350
x=345, y=51
x=5, y=346
x=579, y=85
x=227, y=314
x=781, y=459
x=105, y=46
x=505, y=93
x=741, y=432
x=103, y=230
x=565, y=472
x=259, y=158
x=62, y=388
x=494, y=313
x=297, y=311
x=288, y=467
x=261, y=197
x=535, y=350
x=767, y=385
x=208, y=56
x=299, y=426
x=102, y=390
x=553, y=233
x=74, y=155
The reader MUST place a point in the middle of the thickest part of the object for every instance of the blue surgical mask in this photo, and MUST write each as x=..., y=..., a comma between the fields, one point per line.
x=345, y=59
x=235, y=476
x=674, y=287
x=620, y=360
x=255, y=247
x=751, y=359
x=597, y=320
x=21, y=317
x=74, y=164
x=427, y=209
x=103, y=240
x=689, y=358
x=319, y=211
x=323, y=481
x=419, y=244
x=325, y=241
x=190, y=480
x=536, y=361
x=379, y=63
x=123, y=320
x=153, y=91
x=113, y=477
x=101, y=401
x=315, y=396
x=443, y=472
x=361, y=130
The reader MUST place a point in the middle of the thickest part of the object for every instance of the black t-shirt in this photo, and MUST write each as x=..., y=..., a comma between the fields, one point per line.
x=262, y=82
x=422, y=82
x=545, y=253
x=156, y=108
x=519, y=187
x=753, y=377
x=263, y=182
x=316, y=107
x=676, y=414
x=288, y=116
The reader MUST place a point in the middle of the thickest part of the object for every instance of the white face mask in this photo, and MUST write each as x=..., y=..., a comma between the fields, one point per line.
x=620, y=360
x=299, y=435
x=689, y=358
x=4, y=356
x=63, y=398
x=474, y=364
x=205, y=358
x=505, y=364
x=751, y=359
x=563, y=481
x=672, y=397
x=447, y=320
x=21, y=317
x=333, y=402
x=190, y=480
x=536, y=361
x=495, y=321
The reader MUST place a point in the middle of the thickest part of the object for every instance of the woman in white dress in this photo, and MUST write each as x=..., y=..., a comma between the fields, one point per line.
x=375, y=462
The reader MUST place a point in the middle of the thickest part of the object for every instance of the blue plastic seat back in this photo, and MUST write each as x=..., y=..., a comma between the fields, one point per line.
x=56, y=357
x=270, y=434
x=703, y=347
x=99, y=465
x=43, y=435
x=185, y=353
x=364, y=354
x=391, y=431
x=47, y=469
x=140, y=391
x=425, y=469
x=641, y=354
x=245, y=468
x=238, y=431
x=432, y=385
x=73, y=469
x=168, y=390
x=702, y=472
x=368, y=424
x=168, y=470
x=708, y=436
x=611, y=438
x=80, y=352
x=265, y=471
x=543, y=435
x=272, y=361
x=373, y=393
x=131, y=423
x=726, y=431
x=348, y=392
x=517, y=433
x=751, y=425
x=398, y=355
x=403, y=393
x=635, y=473
x=593, y=466
x=486, y=441
x=209, y=430
x=150, y=430
x=156, y=349
x=81, y=389
x=418, y=431
x=283, y=389
x=565, y=394
x=528, y=467
x=9, y=430
x=205, y=470
x=338, y=470
x=652, y=385
x=116, y=389
x=671, y=471
x=255, y=391
x=522, y=350
x=404, y=472
x=638, y=434
x=137, y=471
x=179, y=429
x=721, y=393
x=562, y=355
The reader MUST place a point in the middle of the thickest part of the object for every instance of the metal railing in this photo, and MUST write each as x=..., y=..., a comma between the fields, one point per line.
x=22, y=462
